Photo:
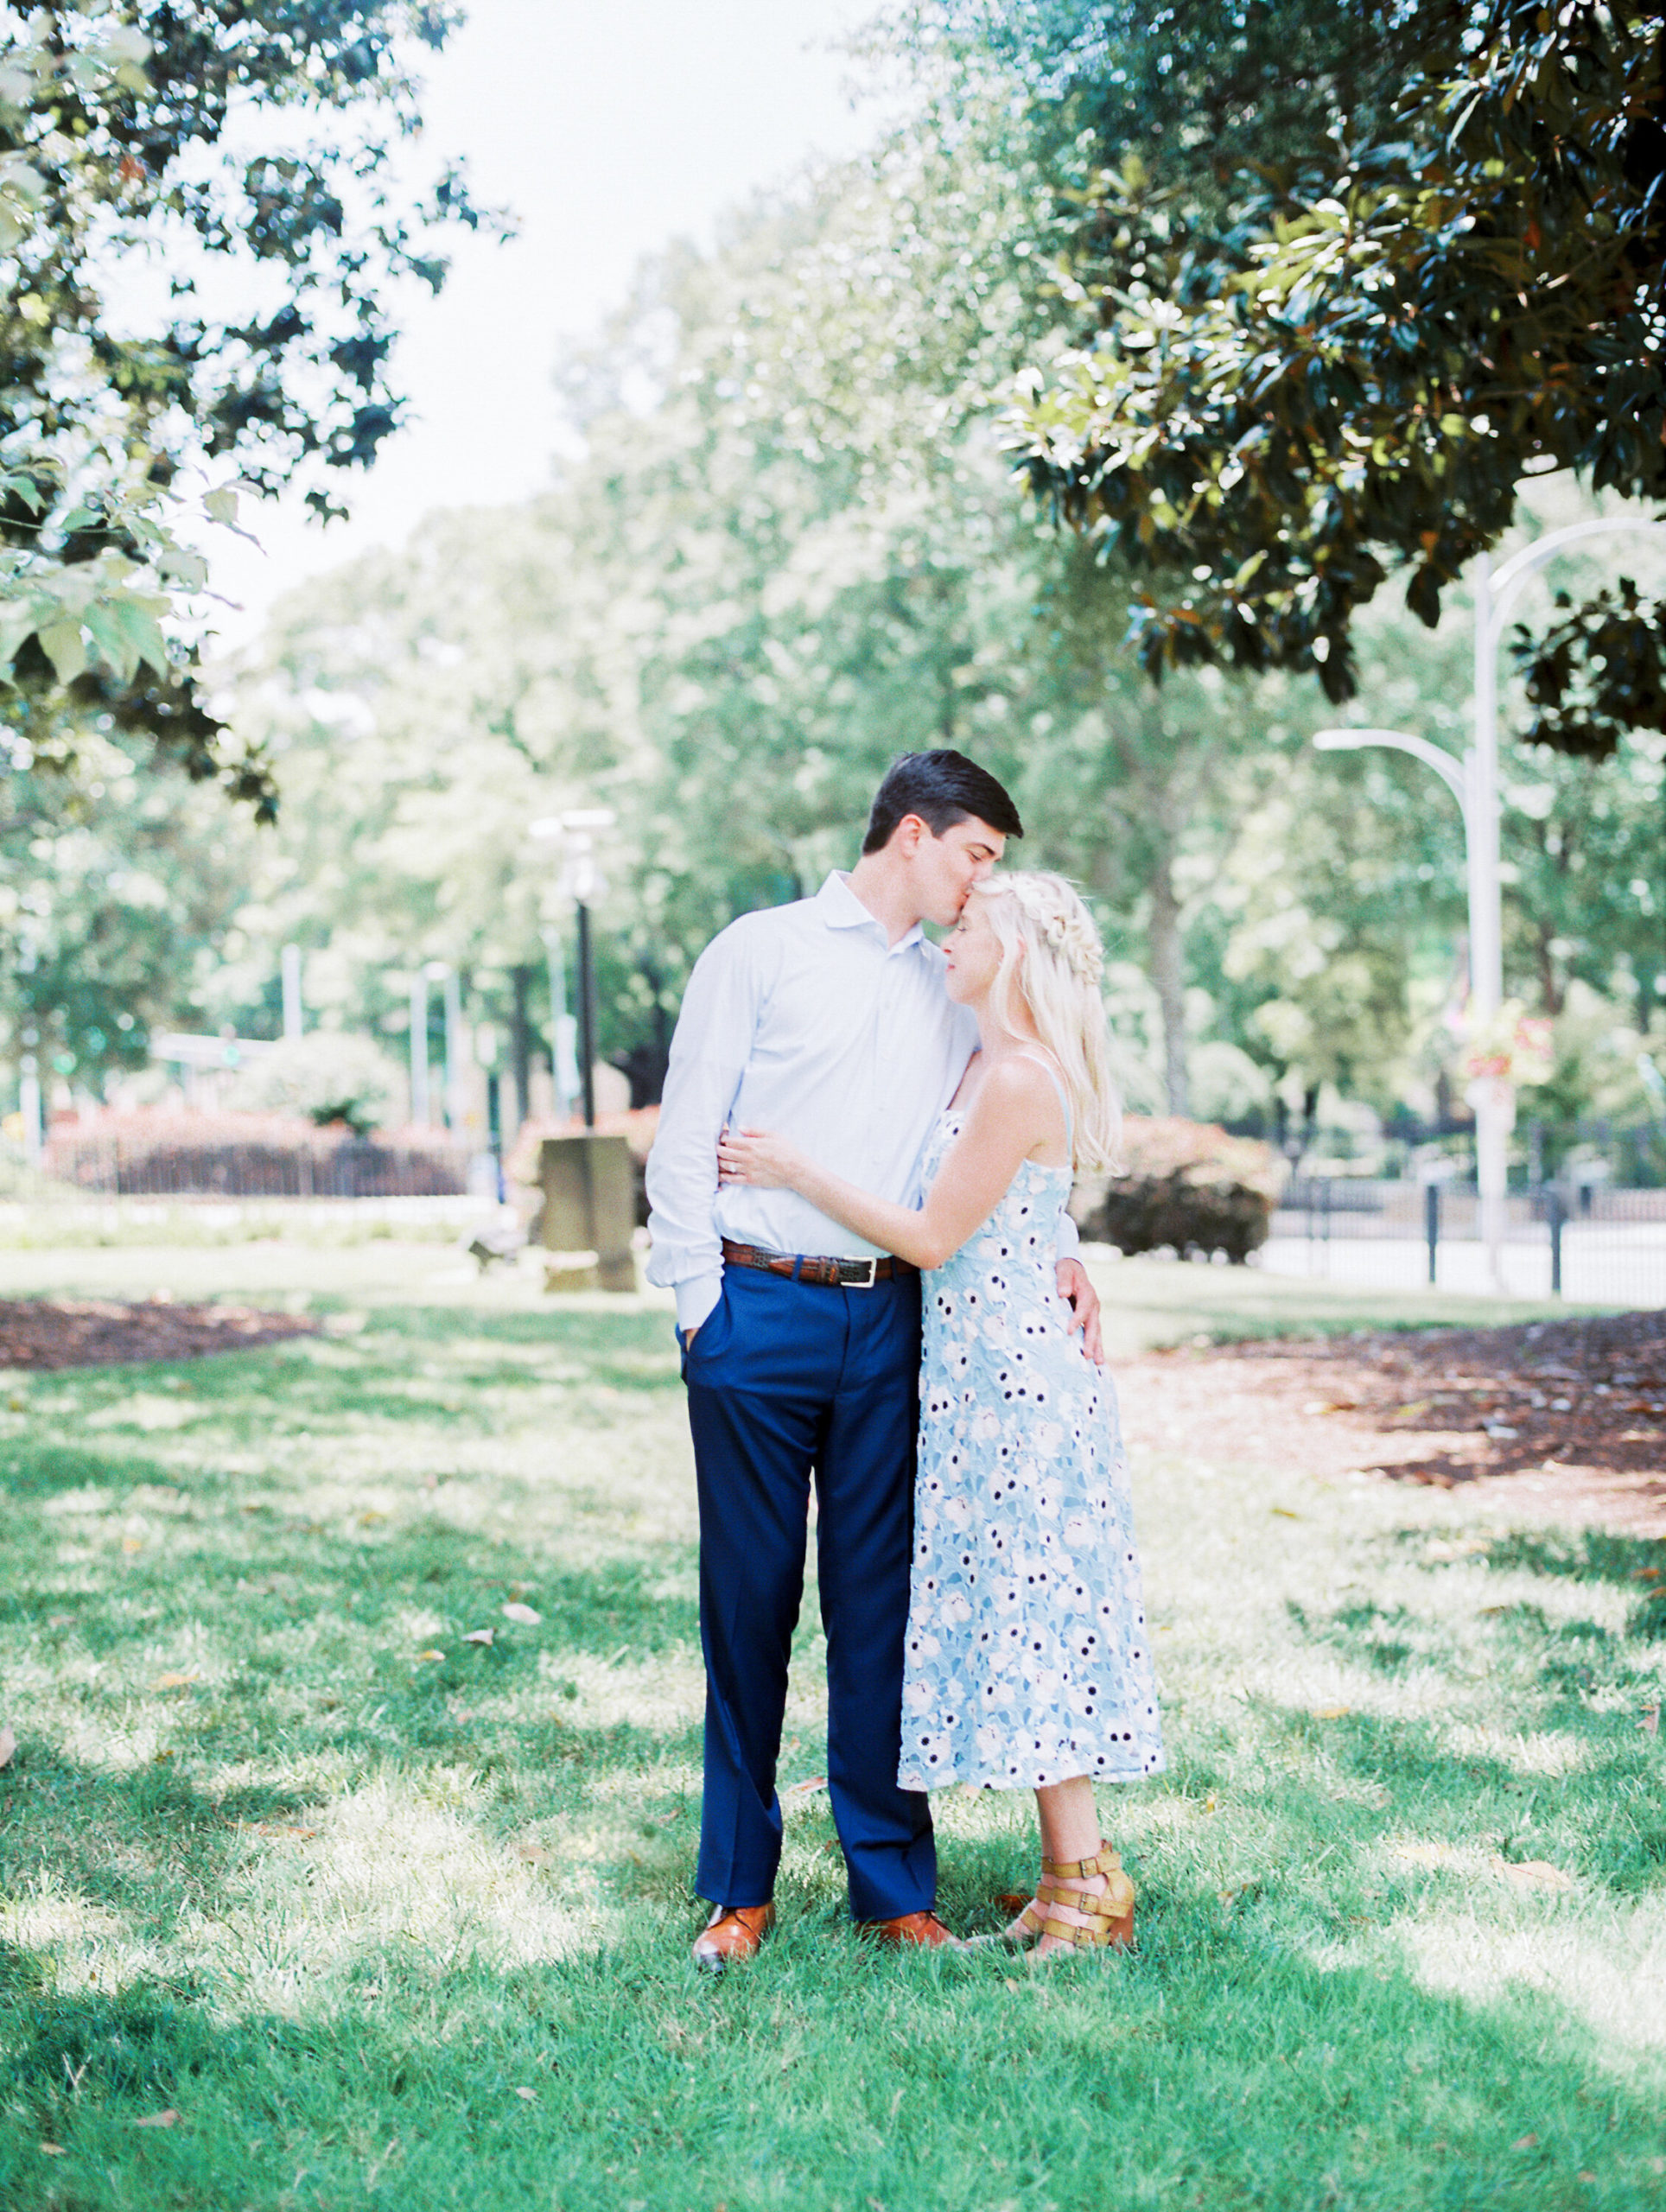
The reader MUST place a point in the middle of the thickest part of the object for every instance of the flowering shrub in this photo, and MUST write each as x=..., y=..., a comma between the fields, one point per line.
x=1184, y=1184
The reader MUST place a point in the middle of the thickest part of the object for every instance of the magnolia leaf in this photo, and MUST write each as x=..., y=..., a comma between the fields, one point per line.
x=7, y=1744
x=1532, y=1873
x=530, y=2095
x=55, y=2150
x=432, y=1652
x=181, y=566
x=61, y=644
x=480, y=1636
x=528, y=1616
x=1525, y=2143
x=177, y=1682
x=169, y=2118
x=19, y=619
x=143, y=633
x=1425, y=1854
x=109, y=634
x=1332, y=1712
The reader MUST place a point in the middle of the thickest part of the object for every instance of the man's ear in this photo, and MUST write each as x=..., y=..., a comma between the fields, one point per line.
x=908, y=836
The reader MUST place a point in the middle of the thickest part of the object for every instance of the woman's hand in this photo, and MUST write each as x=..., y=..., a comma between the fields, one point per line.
x=754, y=1156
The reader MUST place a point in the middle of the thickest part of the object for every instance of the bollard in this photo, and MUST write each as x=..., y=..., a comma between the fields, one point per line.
x=589, y=1203
x=1555, y=1214
x=1432, y=1224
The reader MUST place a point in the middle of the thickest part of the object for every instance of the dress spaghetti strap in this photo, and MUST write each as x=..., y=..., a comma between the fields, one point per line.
x=1042, y=1060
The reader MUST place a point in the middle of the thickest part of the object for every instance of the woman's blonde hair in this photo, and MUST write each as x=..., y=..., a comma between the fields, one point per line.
x=1051, y=953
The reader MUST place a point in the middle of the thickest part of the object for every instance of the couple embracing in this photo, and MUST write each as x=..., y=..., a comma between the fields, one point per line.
x=858, y=1125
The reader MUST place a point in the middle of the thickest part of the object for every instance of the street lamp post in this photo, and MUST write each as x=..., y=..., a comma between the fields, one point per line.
x=581, y=881
x=419, y=1049
x=1474, y=782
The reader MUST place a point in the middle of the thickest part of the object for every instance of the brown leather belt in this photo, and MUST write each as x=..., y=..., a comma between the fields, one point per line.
x=832, y=1274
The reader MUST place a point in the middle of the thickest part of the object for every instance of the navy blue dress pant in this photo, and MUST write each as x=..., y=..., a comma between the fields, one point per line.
x=789, y=1381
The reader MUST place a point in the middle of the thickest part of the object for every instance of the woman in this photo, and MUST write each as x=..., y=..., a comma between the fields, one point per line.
x=1027, y=1664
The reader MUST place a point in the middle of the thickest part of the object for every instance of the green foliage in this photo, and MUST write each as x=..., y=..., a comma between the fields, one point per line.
x=115, y=881
x=247, y=153
x=1333, y=342
x=327, y=1076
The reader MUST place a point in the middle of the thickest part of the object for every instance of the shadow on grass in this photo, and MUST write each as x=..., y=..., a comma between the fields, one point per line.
x=1594, y=1810
x=1219, y=2068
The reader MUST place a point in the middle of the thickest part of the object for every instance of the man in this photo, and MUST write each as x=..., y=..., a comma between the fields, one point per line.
x=827, y=1022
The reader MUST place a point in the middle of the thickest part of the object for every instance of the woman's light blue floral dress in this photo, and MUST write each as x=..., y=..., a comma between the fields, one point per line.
x=1027, y=1659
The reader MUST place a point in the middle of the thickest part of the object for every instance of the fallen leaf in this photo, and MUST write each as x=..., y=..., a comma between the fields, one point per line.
x=281, y=1828
x=1524, y=2143
x=800, y=1790
x=177, y=1682
x=369, y=1520
x=1425, y=1854
x=169, y=2118
x=131, y=1544
x=55, y=2150
x=7, y=1744
x=534, y=1854
x=1646, y=1574
x=1283, y=1513
x=530, y=2095
x=480, y=1636
x=1582, y=2176
x=1491, y=1612
x=1650, y=1724
x=1532, y=1873
x=61, y=1620
x=1657, y=2166
x=1332, y=1712
x=528, y=1616
x=1009, y=1983
x=433, y=1652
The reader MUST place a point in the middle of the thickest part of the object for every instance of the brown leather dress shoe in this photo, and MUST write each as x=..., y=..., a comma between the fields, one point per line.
x=734, y=1931
x=914, y=1931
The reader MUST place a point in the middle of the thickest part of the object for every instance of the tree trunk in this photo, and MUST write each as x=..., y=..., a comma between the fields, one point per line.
x=1168, y=954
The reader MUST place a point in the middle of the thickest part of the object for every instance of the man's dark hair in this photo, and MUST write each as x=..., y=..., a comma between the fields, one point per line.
x=942, y=788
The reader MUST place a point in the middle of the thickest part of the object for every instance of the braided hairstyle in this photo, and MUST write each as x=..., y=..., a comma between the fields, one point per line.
x=1051, y=956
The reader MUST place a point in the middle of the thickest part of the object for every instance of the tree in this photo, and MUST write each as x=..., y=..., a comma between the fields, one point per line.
x=202, y=232
x=1334, y=337
x=116, y=886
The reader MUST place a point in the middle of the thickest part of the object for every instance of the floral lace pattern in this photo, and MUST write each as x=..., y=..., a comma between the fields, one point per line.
x=1027, y=1659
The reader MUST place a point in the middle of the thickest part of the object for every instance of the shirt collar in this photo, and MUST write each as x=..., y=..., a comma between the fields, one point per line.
x=841, y=909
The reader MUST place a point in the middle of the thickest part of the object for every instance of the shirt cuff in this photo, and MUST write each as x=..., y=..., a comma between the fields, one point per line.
x=696, y=1299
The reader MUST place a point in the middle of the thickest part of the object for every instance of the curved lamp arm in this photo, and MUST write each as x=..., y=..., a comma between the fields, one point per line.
x=1517, y=571
x=1450, y=772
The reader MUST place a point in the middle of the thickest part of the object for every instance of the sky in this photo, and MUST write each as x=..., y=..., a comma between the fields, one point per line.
x=609, y=129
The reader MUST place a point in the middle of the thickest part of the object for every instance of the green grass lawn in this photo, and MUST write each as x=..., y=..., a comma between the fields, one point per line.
x=387, y=1917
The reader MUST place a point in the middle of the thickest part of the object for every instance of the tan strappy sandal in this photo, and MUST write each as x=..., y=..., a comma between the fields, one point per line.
x=1110, y=1920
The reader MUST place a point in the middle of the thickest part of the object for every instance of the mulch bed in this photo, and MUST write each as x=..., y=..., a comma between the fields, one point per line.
x=1567, y=1417
x=101, y=1332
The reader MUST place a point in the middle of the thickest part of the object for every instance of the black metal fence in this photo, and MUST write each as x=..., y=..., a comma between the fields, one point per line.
x=365, y=1167
x=1591, y=1241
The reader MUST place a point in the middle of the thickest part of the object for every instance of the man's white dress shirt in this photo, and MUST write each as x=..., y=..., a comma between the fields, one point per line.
x=804, y=1020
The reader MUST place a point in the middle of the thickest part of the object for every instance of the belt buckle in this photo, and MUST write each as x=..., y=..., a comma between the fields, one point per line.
x=858, y=1282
